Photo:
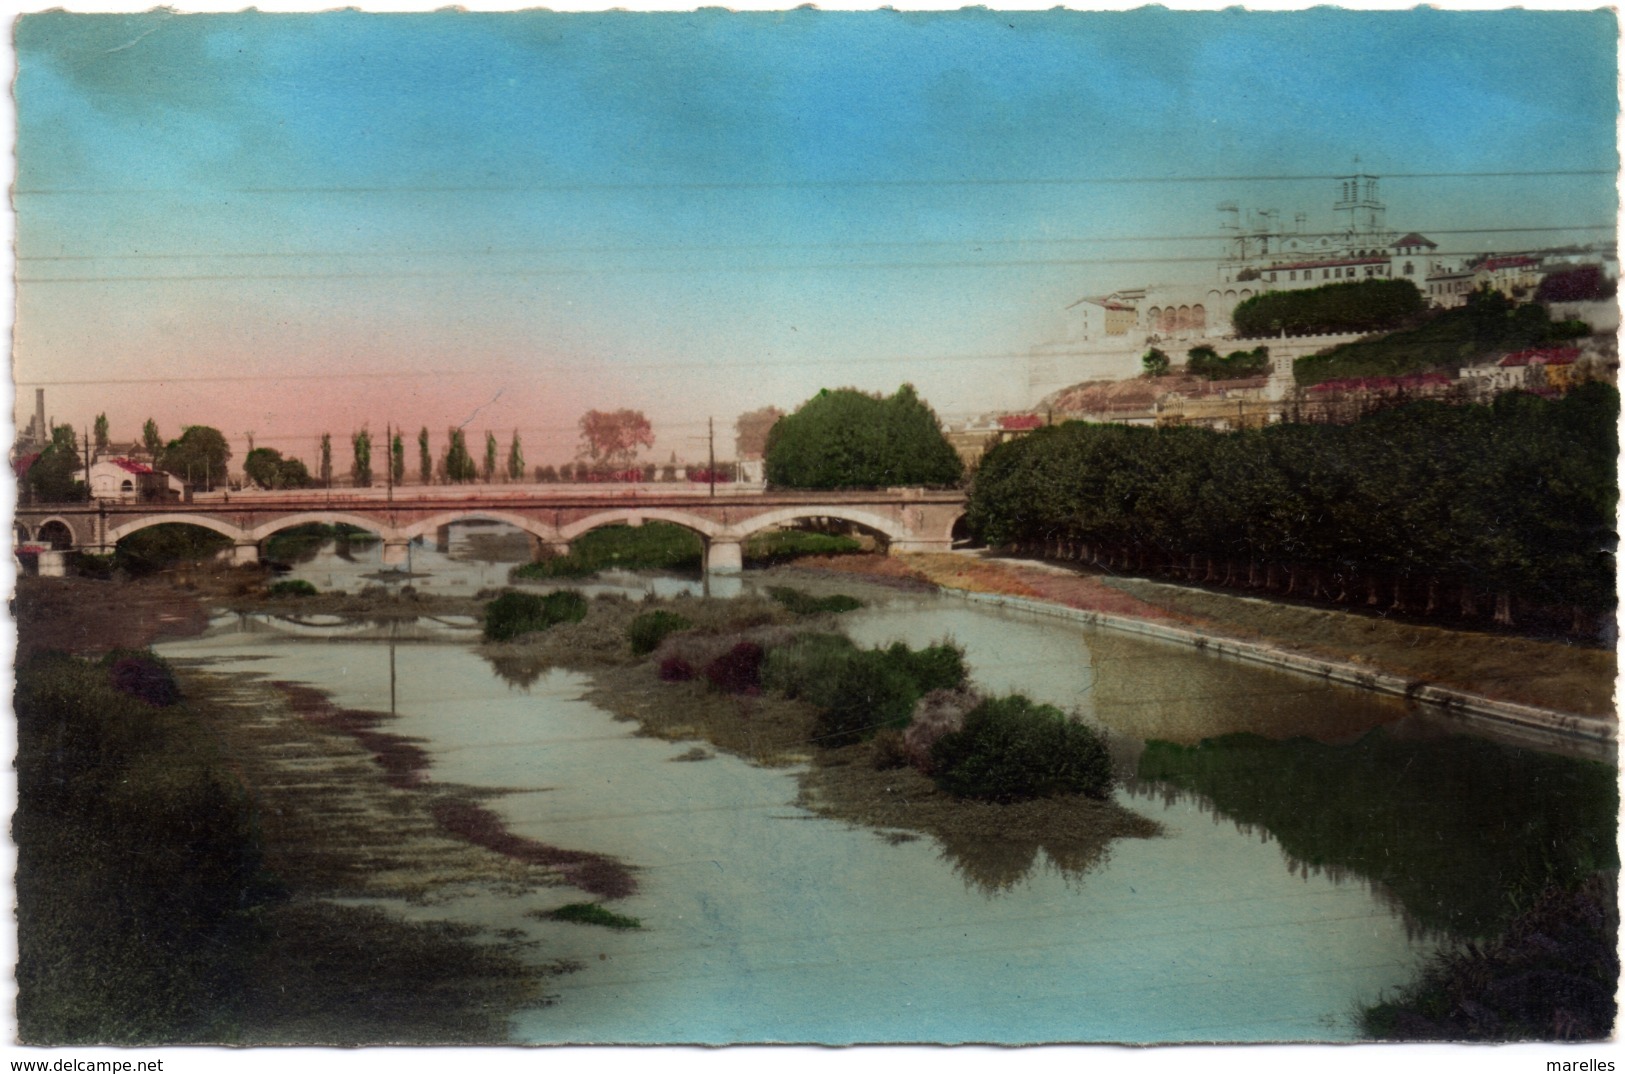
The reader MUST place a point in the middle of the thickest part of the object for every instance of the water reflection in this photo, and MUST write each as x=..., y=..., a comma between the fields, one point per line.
x=1452, y=828
x=996, y=866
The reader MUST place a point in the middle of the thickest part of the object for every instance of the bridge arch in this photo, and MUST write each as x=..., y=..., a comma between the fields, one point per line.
x=277, y=525
x=631, y=515
x=885, y=527
x=427, y=526
x=225, y=529
x=58, y=533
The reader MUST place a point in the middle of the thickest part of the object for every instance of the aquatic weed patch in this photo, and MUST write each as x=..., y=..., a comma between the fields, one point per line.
x=591, y=913
x=597, y=874
x=803, y=603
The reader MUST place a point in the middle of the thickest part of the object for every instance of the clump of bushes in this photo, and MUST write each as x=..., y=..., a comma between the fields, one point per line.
x=803, y=603
x=648, y=630
x=1011, y=749
x=860, y=691
x=293, y=587
x=513, y=614
x=144, y=676
x=739, y=670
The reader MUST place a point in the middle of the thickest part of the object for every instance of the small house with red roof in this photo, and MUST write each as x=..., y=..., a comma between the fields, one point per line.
x=125, y=480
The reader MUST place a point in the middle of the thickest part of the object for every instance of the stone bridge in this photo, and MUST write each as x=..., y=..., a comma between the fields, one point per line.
x=904, y=520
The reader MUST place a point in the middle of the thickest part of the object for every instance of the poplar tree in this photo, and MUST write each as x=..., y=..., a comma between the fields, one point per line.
x=327, y=460
x=361, y=468
x=397, y=459
x=516, y=459
x=425, y=462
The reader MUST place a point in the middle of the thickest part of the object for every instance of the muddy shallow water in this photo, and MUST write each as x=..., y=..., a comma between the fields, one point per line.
x=1295, y=880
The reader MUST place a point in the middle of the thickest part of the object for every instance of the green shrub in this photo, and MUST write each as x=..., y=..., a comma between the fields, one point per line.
x=936, y=667
x=859, y=691
x=869, y=693
x=513, y=614
x=293, y=587
x=808, y=663
x=802, y=603
x=648, y=630
x=1012, y=749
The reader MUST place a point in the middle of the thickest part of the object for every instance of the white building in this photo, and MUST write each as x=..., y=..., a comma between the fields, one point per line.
x=126, y=481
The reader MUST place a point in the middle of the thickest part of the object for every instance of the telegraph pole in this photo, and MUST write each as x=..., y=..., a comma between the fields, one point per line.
x=711, y=450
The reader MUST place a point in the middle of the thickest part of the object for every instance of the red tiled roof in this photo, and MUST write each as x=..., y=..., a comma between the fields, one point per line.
x=1019, y=422
x=1413, y=239
x=23, y=464
x=1518, y=261
x=130, y=466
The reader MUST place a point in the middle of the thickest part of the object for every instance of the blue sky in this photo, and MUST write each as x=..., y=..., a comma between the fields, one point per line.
x=506, y=219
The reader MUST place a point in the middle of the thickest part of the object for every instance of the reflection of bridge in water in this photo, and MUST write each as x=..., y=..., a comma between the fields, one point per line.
x=904, y=520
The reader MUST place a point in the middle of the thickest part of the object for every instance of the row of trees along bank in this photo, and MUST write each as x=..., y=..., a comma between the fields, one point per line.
x=1431, y=509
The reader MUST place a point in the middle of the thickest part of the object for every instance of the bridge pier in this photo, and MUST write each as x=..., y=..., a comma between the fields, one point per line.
x=442, y=539
x=724, y=557
x=542, y=549
x=245, y=554
x=396, y=551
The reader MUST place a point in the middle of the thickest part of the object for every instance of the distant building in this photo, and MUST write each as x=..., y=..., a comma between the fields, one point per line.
x=125, y=480
x=1105, y=336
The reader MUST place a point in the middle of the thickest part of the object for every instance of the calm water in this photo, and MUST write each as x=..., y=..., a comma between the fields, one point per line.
x=1318, y=843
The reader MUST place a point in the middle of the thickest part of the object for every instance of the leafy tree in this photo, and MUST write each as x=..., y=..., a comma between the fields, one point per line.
x=361, y=464
x=268, y=469
x=150, y=440
x=53, y=477
x=327, y=460
x=200, y=455
x=490, y=468
x=1583, y=284
x=614, y=437
x=101, y=432
x=1155, y=363
x=425, y=461
x=1372, y=305
x=397, y=459
x=850, y=439
x=750, y=431
x=516, y=459
x=459, y=464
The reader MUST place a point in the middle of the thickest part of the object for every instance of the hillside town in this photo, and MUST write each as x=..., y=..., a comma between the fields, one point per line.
x=1094, y=371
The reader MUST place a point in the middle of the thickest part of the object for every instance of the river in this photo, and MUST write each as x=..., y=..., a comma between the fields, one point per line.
x=1318, y=841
